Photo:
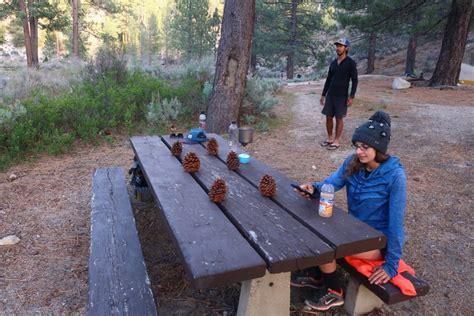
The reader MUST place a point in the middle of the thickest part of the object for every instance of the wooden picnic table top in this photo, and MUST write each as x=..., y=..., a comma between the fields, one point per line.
x=239, y=238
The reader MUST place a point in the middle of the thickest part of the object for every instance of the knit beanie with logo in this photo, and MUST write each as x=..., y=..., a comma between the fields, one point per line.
x=375, y=132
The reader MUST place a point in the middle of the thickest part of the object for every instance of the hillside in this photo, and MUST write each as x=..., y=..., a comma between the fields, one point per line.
x=393, y=64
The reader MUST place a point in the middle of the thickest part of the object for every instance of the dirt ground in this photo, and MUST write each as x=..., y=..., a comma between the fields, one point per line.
x=48, y=206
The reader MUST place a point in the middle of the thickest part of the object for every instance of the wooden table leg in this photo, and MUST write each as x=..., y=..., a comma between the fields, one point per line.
x=268, y=295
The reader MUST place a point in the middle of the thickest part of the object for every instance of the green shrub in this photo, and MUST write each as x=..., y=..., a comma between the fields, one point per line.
x=262, y=126
x=259, y=94
x=109, y=63
x=207, y=91
x=250, y=119
x=8, y=115
x=2, y=34
x=163, y=111
x=202, y=70
x=49, y=118
x=52, y=78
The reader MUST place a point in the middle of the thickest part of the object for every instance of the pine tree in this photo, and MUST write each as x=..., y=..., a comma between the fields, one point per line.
x=144, y=43
x=362, y=15
x=76, y=7
x=29, y=13
x=50, y=46
x=413, y=19
x=191, y=29
x=153, y=37
x=448, y=67
x=14, y=28
x=232, y=63
x=285, y=28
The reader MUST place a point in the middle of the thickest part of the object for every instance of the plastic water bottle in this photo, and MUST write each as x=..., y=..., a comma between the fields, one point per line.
x=202, y=120
x=326, y=200
x=233, y=134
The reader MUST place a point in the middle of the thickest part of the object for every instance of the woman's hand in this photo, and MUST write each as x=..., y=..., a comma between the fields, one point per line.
x=379, y=276
x=308, y=187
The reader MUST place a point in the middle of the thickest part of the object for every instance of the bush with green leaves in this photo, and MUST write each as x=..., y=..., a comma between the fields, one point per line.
x=52, y=78
x=109, y=63
x=163, y=111
x=9, y=114
x=46, y=122
x=189, y=80
x=207, y=91
x=259, y=94
x=2, y=34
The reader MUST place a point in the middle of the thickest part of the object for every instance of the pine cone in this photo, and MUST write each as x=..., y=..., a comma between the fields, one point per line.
x=177, y=149
x=233, y=161
x=217, y=191
x=191, y=162
x=212, y=147
x=267, y=185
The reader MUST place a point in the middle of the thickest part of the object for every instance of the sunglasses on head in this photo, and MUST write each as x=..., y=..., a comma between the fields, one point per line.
x=176, y=135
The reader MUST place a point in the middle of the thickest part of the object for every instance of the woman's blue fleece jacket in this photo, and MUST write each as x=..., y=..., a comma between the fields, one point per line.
x=378, y=200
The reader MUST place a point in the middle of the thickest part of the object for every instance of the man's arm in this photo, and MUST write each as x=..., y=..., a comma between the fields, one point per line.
x=354, y=80
x=328, y=81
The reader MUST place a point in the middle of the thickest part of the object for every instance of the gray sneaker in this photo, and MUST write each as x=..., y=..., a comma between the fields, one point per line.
x=306, y=281
x=330, y=300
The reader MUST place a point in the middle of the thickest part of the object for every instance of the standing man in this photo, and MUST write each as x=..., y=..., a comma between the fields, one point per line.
x=335, y=97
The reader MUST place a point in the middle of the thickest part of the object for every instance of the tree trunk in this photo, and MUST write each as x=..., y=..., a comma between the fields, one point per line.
x=26, y=33
x=34, y=41
x=411, y=56
x=189, y=28
x=290, y=66
x=58, y=45
x=75, y=27
x=371, y=53
x=450, y=58
x=290, y=59
x=232, y=63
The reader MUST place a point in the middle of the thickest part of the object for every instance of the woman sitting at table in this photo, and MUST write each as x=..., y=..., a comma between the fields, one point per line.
x=376, y=194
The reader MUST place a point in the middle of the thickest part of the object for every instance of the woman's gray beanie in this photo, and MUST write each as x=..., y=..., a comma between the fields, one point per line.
x=375, y=132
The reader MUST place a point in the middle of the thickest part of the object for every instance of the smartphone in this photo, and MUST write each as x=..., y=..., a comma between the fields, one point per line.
x=297, y=187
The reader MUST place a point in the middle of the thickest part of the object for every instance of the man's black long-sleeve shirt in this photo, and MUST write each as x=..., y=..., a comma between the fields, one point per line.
x=337, y=82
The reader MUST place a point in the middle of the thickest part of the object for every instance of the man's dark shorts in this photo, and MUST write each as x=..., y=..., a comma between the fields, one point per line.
x=335, y=106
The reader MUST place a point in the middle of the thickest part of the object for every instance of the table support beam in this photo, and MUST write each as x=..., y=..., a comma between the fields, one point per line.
x=360, y=300
x=268, y=295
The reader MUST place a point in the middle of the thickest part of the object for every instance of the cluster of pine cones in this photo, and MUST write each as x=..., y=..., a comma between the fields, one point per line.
x=233, y=162
x=267, y=185
x=217, y=191
x=191, y=162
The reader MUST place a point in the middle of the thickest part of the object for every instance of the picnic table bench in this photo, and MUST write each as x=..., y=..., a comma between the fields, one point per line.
x=118, y=279
x=363, y=297
x=246, y=238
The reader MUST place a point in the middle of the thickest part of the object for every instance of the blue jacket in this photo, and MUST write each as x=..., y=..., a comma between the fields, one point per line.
x=379, y=201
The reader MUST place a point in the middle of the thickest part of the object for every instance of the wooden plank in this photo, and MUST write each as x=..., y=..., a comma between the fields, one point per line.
x=346, y=233
x=283, y=242
x=213, y=251
x=387, y=292
x=118, y=280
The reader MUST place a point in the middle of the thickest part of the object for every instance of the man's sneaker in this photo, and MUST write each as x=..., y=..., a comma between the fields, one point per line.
x=331, y=299
x=306, y=281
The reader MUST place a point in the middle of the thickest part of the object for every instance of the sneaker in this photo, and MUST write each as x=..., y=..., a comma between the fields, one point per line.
x=306, y=281
x=330, y=300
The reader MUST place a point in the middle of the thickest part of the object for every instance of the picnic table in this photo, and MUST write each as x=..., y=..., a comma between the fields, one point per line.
x=246, y=238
